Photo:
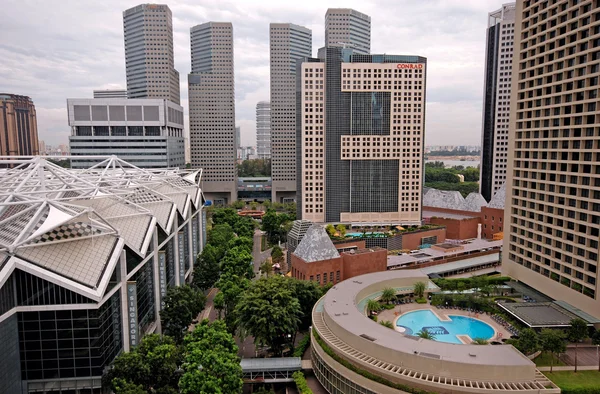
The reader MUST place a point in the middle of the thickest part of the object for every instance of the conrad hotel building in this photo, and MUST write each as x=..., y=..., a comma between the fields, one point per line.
x=361, y=127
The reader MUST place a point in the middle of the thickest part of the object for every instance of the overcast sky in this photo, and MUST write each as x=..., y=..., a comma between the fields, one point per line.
x=53, y=50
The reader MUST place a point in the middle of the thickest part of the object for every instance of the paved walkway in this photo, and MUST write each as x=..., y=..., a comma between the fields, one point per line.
x=257, y=255
x=586, y=355
x=393, y=314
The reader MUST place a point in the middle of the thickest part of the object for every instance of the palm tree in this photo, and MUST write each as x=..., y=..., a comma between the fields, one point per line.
x=387, y=323
x=419, y=289
x=577, y=332
x=373, y=306
x=388, y=295
x=426, y=335
x=479, y=341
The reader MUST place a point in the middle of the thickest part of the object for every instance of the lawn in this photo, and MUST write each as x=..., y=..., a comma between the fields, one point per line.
x=543, y=360
x=571, y=382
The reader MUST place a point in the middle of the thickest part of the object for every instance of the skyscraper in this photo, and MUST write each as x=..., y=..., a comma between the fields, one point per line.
x=288, y=43
x=348, y=28
x=361, y=134
x=496, y=99
x=263, y=129
x=18, y=126
x=212, y=109
x=552, y=215
x=149, y=59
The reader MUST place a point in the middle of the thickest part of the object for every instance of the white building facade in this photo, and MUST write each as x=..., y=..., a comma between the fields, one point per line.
x=263, y=129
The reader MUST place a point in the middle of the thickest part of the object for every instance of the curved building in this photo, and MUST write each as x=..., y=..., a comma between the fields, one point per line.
x=348, y=346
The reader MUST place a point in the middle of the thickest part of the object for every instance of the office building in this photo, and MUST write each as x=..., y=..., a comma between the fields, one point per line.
x=552, y=219
x=263, y=129
x=288, y=44
x=82, y=271
x=42, y=147
x=238, y=137
x=149, y=62
x=18, y=126
x=496, y=99
x=212, y=110
x=348, y=28
x=361, y=138
x=110, y=93
x=146, y=132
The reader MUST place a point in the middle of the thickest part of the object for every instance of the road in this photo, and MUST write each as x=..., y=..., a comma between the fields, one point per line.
x=257, y=255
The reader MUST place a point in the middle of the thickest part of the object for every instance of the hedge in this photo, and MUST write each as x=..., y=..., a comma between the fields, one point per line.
x=301, y=384
x=302, y=346
x=366, y=374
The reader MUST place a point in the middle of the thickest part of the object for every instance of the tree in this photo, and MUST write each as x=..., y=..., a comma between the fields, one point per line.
x=341, y=229
x=151, y=365
x=247, y=243
x=277, y=255
x=419, y=289
x=238, y=261
x=266, y=268
x=528, y=341
x=207, y=267
x=210, y=361
x=460, y=286
x=596, y=341
x=426, y=335
x=182, y=305
x=479, y=341
x=387, y=323
x=232, y=287
x=271, y=224
x=225, y=216
x=388, y=295
x=270, y=313
x=239, y=204
x=308, y=293
x=577, y=332
x=330, y=230
x=373, y=306
x=552, y=341
x=244, y=227
x=219, y=236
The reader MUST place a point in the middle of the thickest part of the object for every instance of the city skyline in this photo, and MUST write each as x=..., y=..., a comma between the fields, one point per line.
x=68, y=52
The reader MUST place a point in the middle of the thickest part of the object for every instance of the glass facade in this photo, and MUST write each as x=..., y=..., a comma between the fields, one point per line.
x=144, y=279
x=10, y=369
x=186, y=246
x=64, y=344
x=333, y=381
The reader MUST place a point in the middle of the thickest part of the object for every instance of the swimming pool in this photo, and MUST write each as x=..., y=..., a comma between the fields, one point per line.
x=361, y=234
x=444, y=331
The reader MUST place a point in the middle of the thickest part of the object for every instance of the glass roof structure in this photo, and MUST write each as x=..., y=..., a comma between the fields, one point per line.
x=69, y=226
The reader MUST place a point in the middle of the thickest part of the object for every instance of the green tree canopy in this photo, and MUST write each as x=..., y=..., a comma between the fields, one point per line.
x=210, y=363
x=219, y=236
x=182, y=305
x=373, y=306
x=246, y=243
x=308, y=293
x=553, y=342
x=330, y=230
x=270, y=313
x=419, y=289
x=528, y=341
x=207, y=267
x=244, y=227
x=388, y=295
x=577, y=332
x=277, y=255
x=238, y=261
x=387, y=323
x=341, y=229
x=151, y=365
x=231, y=287
x=426, y=335
x=254, y=168
x=225, y=216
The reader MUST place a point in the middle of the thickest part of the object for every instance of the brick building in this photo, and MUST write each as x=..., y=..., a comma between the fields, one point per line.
x=317, y=258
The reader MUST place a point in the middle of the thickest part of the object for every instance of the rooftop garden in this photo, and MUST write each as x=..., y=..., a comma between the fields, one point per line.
x=342, y=232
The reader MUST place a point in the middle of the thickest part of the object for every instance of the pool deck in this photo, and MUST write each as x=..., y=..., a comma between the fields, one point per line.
x=393, y=315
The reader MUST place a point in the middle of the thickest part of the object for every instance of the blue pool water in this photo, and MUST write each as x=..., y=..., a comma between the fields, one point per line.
x=444, y=331
x=360, y=234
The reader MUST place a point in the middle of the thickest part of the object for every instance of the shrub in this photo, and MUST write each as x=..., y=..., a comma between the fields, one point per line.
x=301, y=384
x=302, y=346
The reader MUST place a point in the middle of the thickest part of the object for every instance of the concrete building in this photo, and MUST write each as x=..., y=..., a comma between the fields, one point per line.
x=238, y=137
x=552, y=197
x=212, y=110
x=361, y=128
x=18, y=126
x=339, y=318
x=263, y=130
x=348, y=28
x=149, y=62
x=110, y=93
x=146, y=132
x=317, y=259
x=288, y=43
x=42, y=147
x=83, y=270
x=496, y=99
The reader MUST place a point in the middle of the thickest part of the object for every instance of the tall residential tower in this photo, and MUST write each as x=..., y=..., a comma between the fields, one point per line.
x=263, y=130
x=496, y=99
x=362, y=121
x=212, y=109
x=149, y=62
x=288, y=43
x=552, y=215
x=348, y=28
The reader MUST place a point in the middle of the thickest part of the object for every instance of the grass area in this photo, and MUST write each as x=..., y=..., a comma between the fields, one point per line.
x=543, y=360
x=582, y=382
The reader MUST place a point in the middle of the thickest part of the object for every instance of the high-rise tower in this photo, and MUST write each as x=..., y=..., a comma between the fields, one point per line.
x=552, y=215
x=263, y=130
x=348, y=28
x=18, y=126
x=149, y=62
x=496, y=99
x=212, y=109
x=289, y=43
